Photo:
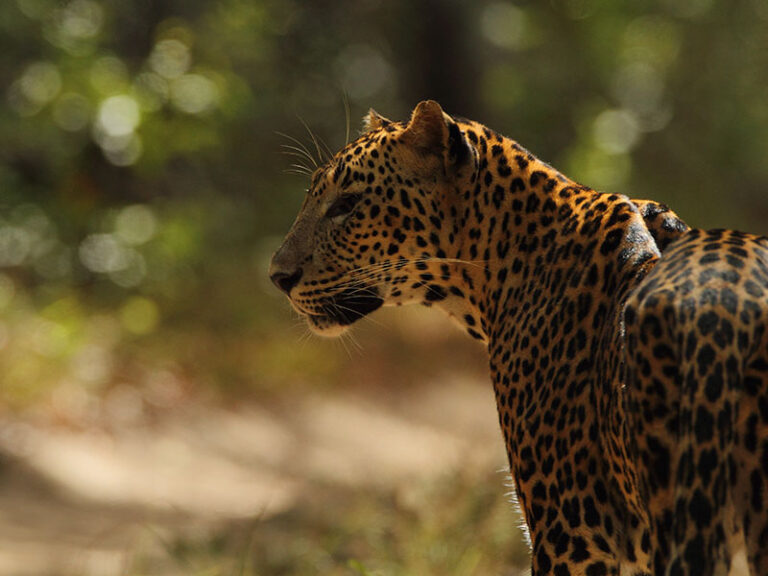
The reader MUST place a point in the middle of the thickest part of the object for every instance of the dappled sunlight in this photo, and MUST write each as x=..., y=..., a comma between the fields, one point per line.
x=37, y=86
x=170, y=58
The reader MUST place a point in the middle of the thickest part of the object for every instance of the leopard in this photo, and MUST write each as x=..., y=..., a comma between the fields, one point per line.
x=628, y=352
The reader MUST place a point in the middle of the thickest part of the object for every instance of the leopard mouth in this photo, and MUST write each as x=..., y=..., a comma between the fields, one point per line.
x=352, y=304
x=343, y=309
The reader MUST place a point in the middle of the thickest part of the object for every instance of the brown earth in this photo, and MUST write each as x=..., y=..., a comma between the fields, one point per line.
x=87, y=501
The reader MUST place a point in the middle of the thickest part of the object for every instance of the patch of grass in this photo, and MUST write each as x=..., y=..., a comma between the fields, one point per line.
x=458, y=526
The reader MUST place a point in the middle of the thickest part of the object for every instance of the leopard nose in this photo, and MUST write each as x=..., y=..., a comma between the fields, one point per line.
x=286, y=281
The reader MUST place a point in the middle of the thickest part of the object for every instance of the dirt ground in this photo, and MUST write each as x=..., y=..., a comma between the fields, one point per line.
x=85, y=501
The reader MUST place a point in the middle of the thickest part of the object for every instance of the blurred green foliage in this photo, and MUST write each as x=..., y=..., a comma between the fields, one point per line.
x=142, y=185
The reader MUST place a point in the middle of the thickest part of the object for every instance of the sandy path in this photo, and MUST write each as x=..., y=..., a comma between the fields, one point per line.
x=82, y=502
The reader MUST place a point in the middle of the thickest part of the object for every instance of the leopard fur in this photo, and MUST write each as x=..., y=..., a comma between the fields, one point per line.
x=628, y=353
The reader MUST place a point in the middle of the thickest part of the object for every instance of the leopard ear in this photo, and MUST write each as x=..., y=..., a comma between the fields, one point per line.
x=432, y=131
x=374, y=121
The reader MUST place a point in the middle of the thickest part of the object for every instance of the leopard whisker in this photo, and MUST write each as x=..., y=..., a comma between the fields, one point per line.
x=347, y=116
x=306, y=336
x=366, y=272
x=299, y=158
x=348, y=309
x=302, y=168
x=344, y=345
x=430, y=259
x=354, y=343
x=321, y=159
x=301, y=147
x=297, y=152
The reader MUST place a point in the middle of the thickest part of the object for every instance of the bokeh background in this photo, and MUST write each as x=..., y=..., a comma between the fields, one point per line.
x=162, y=411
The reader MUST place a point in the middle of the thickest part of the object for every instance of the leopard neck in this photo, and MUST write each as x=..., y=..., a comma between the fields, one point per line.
x=521, y=234
x=557, y=263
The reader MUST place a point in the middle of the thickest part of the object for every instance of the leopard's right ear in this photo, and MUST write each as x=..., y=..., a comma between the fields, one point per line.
x=374, y=121
x=433, y=133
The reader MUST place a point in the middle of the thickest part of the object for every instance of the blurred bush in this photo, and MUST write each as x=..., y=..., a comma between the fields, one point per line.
x=142, y=185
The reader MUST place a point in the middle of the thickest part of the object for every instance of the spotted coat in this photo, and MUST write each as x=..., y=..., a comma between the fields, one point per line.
x=630, y=385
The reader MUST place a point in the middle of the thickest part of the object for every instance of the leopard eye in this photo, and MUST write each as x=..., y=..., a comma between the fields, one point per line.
x=343, y=205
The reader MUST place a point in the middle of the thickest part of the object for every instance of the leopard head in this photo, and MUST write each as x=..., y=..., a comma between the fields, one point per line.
x=376, y=226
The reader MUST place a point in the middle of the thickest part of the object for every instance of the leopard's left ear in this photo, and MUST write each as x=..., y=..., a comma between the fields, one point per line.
x=374, y=121
x=432, y=131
